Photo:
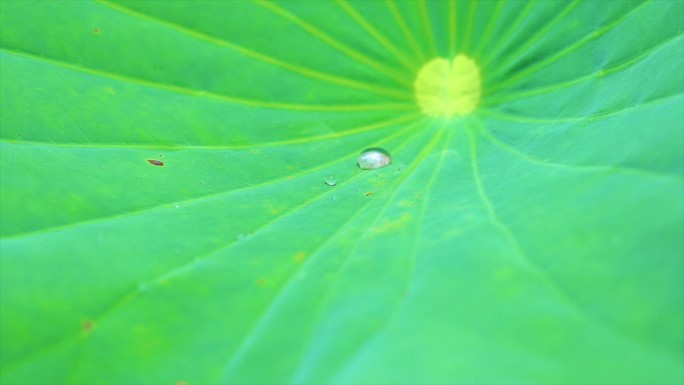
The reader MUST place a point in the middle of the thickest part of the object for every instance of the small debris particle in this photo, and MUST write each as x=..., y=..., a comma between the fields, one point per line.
x=369, y=194
x=155, y=162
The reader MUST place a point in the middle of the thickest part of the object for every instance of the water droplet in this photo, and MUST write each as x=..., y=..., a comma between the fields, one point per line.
x=330, y=180
x=373, y=158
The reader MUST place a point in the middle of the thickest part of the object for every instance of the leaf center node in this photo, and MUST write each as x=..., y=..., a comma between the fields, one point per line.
x=448, y=88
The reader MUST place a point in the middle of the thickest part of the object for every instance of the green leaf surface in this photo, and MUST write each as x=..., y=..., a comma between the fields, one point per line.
x=536, y=240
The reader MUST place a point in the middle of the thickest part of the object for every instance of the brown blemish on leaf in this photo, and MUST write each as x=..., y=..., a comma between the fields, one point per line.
x=369, y=194
x=261, y=282
x=155, y=162
x=96, y=31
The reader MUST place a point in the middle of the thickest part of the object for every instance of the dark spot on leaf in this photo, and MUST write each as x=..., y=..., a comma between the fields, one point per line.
x=155, y=162
x=369, y=194
x=96, y=31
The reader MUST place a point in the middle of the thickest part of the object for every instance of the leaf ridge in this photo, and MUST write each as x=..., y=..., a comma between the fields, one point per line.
x=420, y=158
x=511, y=116
x=382, y=124
x=567, y=50
x=582, y=168
x=401, y=78
x=602, y=72
x=210, y=95
x=299, y=69
x=522, y=258
x=263, y=317
x=404, y=29
x=199, y=198
x=518, y=53
x=378, y=36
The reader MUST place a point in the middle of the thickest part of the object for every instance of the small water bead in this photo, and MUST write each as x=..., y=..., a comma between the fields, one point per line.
x=373, y=158
x=330, y=180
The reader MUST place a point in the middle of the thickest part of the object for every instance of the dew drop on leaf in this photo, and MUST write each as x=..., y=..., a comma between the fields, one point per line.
x=330, y=180
x=373, y=158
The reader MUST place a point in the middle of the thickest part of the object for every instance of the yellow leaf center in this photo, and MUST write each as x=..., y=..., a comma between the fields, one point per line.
x=448, y=88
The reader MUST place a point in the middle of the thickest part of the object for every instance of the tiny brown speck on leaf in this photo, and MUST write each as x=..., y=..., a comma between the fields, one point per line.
x=155, y=162
x=96, y=31
x=261, y=282
x=369, y=194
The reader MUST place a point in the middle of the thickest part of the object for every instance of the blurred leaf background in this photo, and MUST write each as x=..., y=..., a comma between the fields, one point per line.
x=536, y=240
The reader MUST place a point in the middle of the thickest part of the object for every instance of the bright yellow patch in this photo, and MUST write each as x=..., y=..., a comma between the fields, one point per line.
x=448, y=88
